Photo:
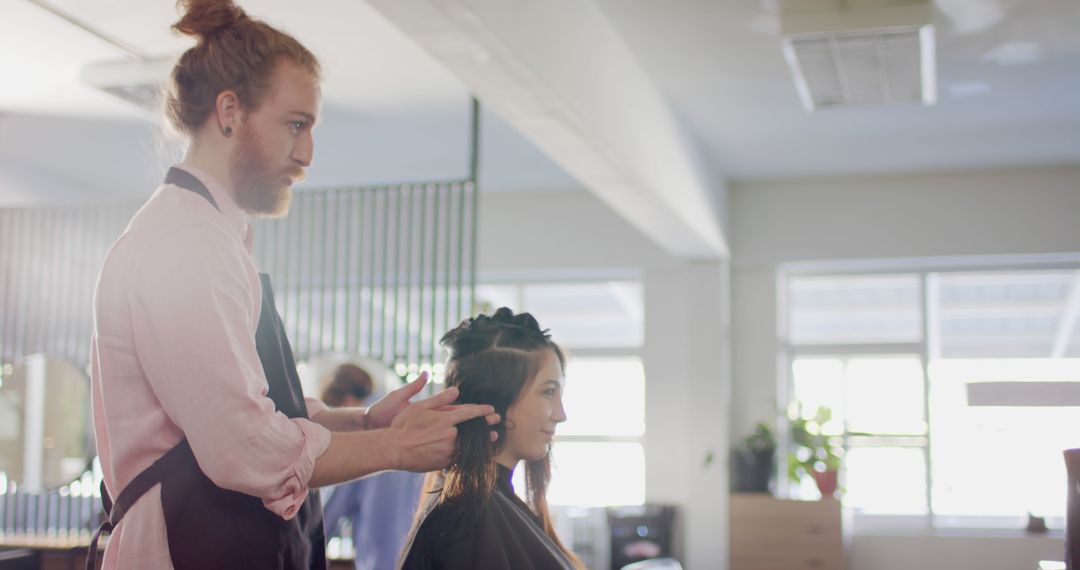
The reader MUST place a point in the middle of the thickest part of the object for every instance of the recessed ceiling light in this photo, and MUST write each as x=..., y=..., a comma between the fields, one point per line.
x=137, y=82
x=971, y=16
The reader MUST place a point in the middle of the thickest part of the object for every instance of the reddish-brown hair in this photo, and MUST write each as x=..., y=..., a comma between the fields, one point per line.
x=234, y=52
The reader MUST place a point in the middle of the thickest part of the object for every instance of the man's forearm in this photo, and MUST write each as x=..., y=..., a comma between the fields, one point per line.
x=352, y=455
x=342, y=419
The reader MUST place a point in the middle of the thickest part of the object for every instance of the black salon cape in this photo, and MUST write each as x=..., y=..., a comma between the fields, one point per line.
x=505, y=536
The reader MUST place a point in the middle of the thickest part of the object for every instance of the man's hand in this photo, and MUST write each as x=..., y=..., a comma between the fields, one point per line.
x=381, y=413
x=421, y=436
x=425, y=431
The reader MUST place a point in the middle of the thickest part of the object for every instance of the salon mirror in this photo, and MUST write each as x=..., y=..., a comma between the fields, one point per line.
x=317, y=371
x=45, y=429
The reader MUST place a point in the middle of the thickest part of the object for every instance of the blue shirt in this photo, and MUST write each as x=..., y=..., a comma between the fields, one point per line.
x=381, y=510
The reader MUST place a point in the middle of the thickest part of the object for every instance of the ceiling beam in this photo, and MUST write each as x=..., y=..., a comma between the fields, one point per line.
x=560, y=74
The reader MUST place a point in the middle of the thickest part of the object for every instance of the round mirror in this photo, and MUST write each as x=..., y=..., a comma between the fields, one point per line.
x=46, y=439
x=316, y=373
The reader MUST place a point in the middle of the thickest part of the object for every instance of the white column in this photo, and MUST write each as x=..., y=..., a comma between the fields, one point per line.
x=688, y=395
x=34, y=423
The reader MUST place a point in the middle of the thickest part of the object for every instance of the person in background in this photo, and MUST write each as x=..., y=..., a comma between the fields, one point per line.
x=379, y=507
x=470, y=516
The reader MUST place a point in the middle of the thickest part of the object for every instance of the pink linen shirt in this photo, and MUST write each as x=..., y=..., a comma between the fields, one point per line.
x=173, y=356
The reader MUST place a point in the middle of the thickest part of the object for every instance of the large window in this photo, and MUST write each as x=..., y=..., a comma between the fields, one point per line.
x=600, y=325
x=897, y=357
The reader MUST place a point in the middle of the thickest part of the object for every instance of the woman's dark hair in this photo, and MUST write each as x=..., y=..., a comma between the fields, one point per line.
x=233, y=52
x=492, y=360
x=348, y=380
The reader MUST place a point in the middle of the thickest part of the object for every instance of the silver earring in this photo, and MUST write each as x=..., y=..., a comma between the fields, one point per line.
x=228, y=131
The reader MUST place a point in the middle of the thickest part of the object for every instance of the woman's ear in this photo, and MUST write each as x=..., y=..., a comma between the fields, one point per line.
x=498, y=433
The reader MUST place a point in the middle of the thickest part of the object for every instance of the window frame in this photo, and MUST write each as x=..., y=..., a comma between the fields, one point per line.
x=927, y=349
x=521, y=282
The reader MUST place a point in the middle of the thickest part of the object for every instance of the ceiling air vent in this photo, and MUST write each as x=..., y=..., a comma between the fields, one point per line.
x=859, y=52
x=138, y=82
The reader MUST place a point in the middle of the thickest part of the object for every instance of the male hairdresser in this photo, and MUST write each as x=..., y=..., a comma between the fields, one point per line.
x=209, y=449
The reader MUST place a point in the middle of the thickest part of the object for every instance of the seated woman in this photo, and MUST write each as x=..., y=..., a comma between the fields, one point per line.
x=470, y=517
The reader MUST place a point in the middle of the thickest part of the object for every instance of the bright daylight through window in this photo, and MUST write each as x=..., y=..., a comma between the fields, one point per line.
x=898, y=357
x=598, y=455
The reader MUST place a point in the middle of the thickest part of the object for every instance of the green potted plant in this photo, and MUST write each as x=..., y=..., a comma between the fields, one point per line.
x=814, y=453
x=753, y=460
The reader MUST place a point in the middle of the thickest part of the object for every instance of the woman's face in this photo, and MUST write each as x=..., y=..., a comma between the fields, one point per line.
x=531, y=419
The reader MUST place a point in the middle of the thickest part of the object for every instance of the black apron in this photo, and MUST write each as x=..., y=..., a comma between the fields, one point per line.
x=210, y=528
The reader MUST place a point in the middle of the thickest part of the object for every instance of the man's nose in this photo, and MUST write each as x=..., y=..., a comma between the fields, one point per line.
x=304, y=150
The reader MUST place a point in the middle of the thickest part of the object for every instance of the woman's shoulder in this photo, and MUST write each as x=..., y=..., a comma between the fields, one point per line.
x=447, y=537
x=454, y=518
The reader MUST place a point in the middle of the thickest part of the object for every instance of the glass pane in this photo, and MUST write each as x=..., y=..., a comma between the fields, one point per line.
x=875, y=394
x=819, y=383
x=855, y=309
x=590, y=315
x=491, y=297
x=597, y=474
x=604, y=396
x=994, y=314
x=999, y=460
x=885, y=395
x=886, y=480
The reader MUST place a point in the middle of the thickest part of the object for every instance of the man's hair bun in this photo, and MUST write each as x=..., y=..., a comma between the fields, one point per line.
x=205, y=18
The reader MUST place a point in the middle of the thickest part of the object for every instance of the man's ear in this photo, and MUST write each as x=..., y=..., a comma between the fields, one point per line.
x=228, y=111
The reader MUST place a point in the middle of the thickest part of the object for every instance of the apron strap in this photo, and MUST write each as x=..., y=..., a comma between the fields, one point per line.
x=184, y=179
x=172, y=461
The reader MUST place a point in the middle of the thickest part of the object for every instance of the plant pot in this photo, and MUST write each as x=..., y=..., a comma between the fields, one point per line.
x=753, y=471
x=827, y=482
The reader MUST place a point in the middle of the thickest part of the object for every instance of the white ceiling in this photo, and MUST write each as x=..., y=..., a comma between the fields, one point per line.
x=391, y=113
x=368, y=65
x=1008, y=75
x=721, y=66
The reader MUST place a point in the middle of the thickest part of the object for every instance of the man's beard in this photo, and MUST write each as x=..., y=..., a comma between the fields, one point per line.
x=260, y=190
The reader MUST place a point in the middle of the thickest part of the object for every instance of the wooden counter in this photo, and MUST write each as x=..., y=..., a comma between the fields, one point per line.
x=769, y=533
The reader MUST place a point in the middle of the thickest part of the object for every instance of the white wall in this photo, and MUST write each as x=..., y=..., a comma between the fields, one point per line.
x=556, y=230
x=1016, y=552
x=686, y=350
x=963, y=213
x=1016, y=211
x=74, y=160
x=688, y=395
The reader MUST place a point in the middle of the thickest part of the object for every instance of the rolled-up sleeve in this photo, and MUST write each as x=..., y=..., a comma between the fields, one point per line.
x=314, y=407
x=194, y=313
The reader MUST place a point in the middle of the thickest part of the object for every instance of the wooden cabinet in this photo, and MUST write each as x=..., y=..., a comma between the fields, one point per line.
x=776, y=534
